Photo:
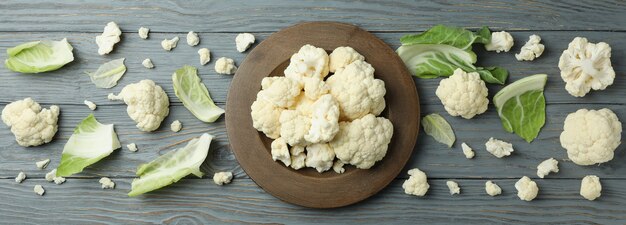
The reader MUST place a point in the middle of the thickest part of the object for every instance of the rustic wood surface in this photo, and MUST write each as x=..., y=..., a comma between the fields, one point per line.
x=198, y=201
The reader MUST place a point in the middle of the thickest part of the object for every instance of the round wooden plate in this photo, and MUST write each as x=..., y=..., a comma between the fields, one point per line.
x=306, y=187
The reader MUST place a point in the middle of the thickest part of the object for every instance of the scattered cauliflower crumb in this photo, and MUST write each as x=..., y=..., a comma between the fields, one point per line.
x=585, y=66
x=531, y=50
x=467, y=151
x=192, y=38
x=298, y=157
x=176, y=126
x=225, y=66
x=147, y=104
x=30, y=124
x=132, y=147
x=343, y=56
x=222, y=178
x=320, y=157
x=147, y=63
x=309, y=61
x=363, y=142
x=454, y=187
x=59, y=180
x=280, y=151
x=92, y=106
x=107, y=183
x=143, y=32
x=39, y=190
x=463, y=94
x=20, y=177
x=500, y=42
x=527, y=189
x=417, y=183
x=109, y=37
x=338, y=167
x=499, y=148
x=547, y=166
x=243, y=41
x=168, y=45
x=205, y=56
x=42, y=164
x=492, y=188
x=590, y=187
x=591, y=136
x=52, y=177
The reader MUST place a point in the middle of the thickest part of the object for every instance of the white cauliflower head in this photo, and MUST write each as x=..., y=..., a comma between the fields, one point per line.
x=147, y=104
x=585, y=66
x=363, y=141
x=281, y=91
x=294, y=126
x=324, y=120
x=309, y=61
x=320, y=157
x=280, y=151
x=266, y=117
x=417, y=183
x=463, y=94
x=31, y=125
x=357, y=91
x=591, y=136
x=527, y=189
x=500, y=42
x=343, y=56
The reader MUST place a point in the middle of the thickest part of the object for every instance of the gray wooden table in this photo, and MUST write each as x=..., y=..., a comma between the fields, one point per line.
x=198, y=201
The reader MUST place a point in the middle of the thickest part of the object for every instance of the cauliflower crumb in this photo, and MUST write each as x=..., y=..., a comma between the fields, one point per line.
x=547, y=166
x=363, y=142
x=320, y=157
x=92, y=106
x=59, y=180
x=467, y=151
x=417, y=183
x=143, y=32
x=463, y=94
x=39, y=190
x=42, y=164
x=168, y=45
x=106, y=183
x=454, y=187
x=309, y=61
x=51, y=175
x=591, y=136
x=492, y=188
x=531, y=50
x=30, y=124
x=280, y=151
x=147, y=63
x=590, y=187
x=243, y=41
x=222, y=178
x=176, y=126
x=499, y=148
x=109, y=37
x=20, y=177
x=338, y=167
x=527, y=189
x=298, y=157
x=585, y=66
x=132, y=147
x=225, y=66
x=343, y=56
x=205, y=56
x=500, y=42
x=192, y=38
x=147, y=104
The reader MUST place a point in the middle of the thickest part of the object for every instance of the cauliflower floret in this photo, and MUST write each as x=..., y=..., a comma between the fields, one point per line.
x=39, y=190
x=243, y=41
x=30, y=124
x=20, y=177
x=192, y=38
x=320, y=157
x=281, y=91
x=467, y=151
x=309, y=61
x=492, y=188
x=417, y=183
x=293, y=127
x=143, y=32
x=205, y=56
x=106, y=183
x=109, y=37
x=453, y=187
x=42, y=164
x=500, y=42
x=92, y=106
x=498, y=148
x=298, y=157
x=527, y=189
x=357, y=91
x=363, y=141
x=280, y=151
x=324, y=120
x=338, y=167
x=147, y=63
x=221, y=178
x=314, y=88
x=168, y=45
x=463, y=94
x=590, y=187
x=585, y=66
x=225, y=66
x=303, y=105
x=176, y=126
x=147, y=104
x=343, y=56
x=531, y=50
x=266, y=117
x=591, y=136
x=547, y=166
x=132, y=147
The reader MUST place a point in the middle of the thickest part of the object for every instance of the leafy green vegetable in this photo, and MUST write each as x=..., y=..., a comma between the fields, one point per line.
x=191, y=91
x=172, y=166
x=438, y=128
x=108, y=74
x=39, y=56
x=522, y=106
x=90, y=142
x=448, y=35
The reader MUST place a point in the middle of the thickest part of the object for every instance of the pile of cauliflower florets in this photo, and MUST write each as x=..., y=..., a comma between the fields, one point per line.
x=315, y=117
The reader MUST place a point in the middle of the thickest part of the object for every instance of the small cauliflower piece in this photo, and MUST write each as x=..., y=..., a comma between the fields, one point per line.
x=324, y=120
x=266, y=117
x=590, y=187
x=280, y=151
x=109, y=37
x=107, y=183
x=132, y=147
x=338, y=167
x=281, y=91
x=492, y=188
x=176, y=126
x=294, y=126
x=20, y=177
x=591, y=136
x=531, y=50
x=192, y=38
x=343, y=56
x=221, y=178
x=363, y=141
x=357, y=91
x=225, y=66
x=298, y=157
x=42, y=164
x=143, y=32
x=30, y=124
x=453, y=187
x=92, y=106
x=527, y=189
x=498, y=148
x=417, y=183
x=170, y=44
x=147, y=104
x=467, y=151
x=309, y=61
x=500, y=42
x=547, y=166
x=320, y=157
x=243, y=41
x=205, y=56
x=585, y=66
x=147, y=63
x=59, y=180
x=463, y=94
x=52, y=177
x=39, y=190
x=314, y=88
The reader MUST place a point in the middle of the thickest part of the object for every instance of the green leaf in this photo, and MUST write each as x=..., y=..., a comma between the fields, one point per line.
x=191, y=91
x=39, y=56
x=172, y=166
x=492, y=75
x=449, y=35
x=522, y=106
x=438, y=128
x=108, y=74
x=90, y=142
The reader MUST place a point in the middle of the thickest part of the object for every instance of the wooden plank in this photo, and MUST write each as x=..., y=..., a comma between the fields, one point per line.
x=199, y=201
x=254, y=16
x=70, y=85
